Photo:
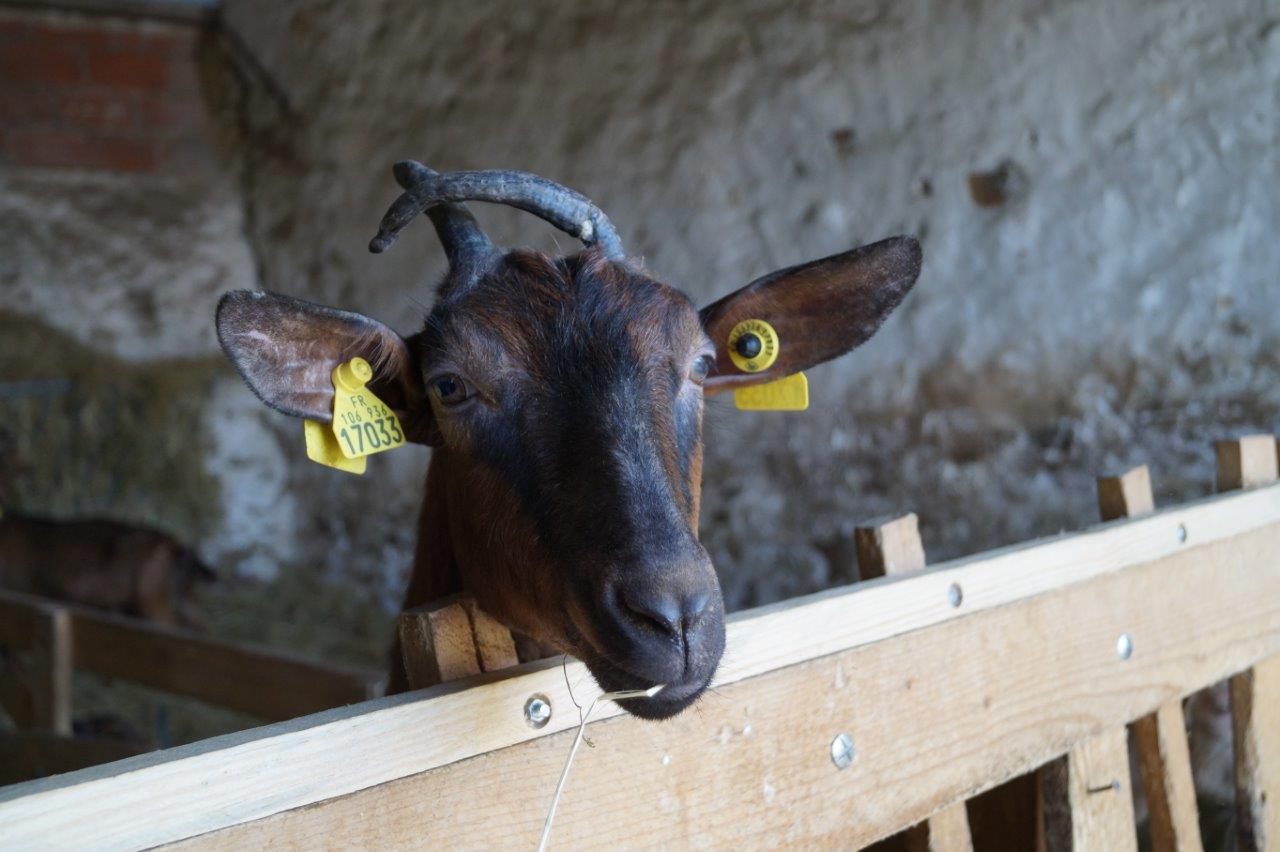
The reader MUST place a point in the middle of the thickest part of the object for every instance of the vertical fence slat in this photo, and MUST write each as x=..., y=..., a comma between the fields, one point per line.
x=1164, y=759
x=1088, y=804
x=51, y=666
x=436, y=643
x=891, y=547
x=1251, y=462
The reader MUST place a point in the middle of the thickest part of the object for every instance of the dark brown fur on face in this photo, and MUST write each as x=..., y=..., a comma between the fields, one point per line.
x=103, y=564
x=564, y=399
x=576, y=459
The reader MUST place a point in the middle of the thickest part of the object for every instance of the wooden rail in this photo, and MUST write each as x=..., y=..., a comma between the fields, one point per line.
x=947, y=682
x=261, y=682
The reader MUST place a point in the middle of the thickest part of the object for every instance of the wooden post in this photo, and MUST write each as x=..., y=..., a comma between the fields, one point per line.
x=1093, y=781
x=51, y=664
x=1164, y=759
x=452, y=638
x=890, y=547
x=1250, y=462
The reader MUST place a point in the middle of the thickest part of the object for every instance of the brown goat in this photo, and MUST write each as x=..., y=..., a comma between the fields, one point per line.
x=564, y=399
x=103, y=564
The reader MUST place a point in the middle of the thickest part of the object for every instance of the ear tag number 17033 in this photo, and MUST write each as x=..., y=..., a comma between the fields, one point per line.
x=362, y=424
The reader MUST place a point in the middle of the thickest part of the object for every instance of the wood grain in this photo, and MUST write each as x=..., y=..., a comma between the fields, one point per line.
x=936, y=716
x=259, y=681
x=1164, y=761
x=1250, y=462
x=192, y=789
x=1101, y=800
x=436, y=643
x=892, y=547
x=1160, y=739
x=1128, y=495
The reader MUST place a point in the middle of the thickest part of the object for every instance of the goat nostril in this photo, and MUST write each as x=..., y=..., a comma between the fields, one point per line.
x=694, y=606
x=669, y=613
x=661, y=611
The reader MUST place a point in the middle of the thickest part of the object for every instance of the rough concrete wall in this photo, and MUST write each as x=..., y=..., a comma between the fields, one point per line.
x=1118, y=306
x=121, y=221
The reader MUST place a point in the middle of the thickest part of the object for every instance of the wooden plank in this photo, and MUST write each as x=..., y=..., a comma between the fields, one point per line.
x=1255, y=728
x=495, y=647
x=1128, y=495
x=452, y=638
x=1100, y=797
x=50, y=673
x=1160, y=739
x=254, y=680
x=1164, y=761
x=436, y=643
x=935, y=716
x=1247, y=462
x=889, y=547
x=1251, y=462
x=253, y=774
x=893, y=547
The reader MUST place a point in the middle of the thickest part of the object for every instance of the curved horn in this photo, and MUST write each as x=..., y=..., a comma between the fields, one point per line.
x=465, y=244
x=426, y=189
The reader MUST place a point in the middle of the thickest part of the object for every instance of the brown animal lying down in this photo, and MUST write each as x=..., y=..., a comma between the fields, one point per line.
x=104, y=564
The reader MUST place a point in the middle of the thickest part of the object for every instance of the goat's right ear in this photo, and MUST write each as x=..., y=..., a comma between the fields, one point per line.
x=286, y=350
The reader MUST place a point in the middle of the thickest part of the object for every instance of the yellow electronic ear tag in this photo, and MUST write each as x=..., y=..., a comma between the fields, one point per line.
x=362, y=424
x=789, y=394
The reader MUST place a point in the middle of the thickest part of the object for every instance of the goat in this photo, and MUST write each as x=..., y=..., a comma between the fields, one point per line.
x=104, y=564
x=563, y=397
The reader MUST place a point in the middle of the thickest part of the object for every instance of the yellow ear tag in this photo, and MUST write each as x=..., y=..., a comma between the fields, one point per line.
x=753, y=347
x=322, y=447
x=362, y=424
x=789, y=394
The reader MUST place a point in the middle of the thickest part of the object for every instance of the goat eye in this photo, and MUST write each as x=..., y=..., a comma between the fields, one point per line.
x=701, y=368
x=450, y=389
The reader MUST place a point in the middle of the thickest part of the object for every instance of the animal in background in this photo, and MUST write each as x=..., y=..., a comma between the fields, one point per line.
x=563, y=397
x=104, y=564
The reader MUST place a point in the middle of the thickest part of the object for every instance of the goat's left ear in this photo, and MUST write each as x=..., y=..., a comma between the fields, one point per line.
x=820, y=309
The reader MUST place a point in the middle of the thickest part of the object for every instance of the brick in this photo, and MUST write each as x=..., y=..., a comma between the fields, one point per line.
x=108, y=109
x=132, y=69
x=26, y=105
x=34, y=64
x=78, y=150
x=167, y=112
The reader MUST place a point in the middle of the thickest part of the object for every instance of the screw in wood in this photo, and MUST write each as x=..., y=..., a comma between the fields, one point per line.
x=1113, y=787
x=955, y=594
x=1182, y=532
x=1124, y=646
x=537, y=711
x=842, y=750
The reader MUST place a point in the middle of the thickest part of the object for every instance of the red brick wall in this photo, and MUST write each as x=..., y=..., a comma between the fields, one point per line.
x=102, y=94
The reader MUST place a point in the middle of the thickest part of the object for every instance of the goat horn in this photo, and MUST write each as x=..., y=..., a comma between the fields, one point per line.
x=426, y=189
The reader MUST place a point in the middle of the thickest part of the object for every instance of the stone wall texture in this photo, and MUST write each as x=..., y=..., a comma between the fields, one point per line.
x=1094, y=184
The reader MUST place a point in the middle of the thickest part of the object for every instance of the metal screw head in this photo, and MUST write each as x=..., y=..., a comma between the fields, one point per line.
x=842, y=750
x=1124, y=646
x=537, y=711
x=1182, y=532
x=955, y=594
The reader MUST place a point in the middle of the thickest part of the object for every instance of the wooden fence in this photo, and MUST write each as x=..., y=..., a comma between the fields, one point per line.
x=62, y=638
x=836, y=720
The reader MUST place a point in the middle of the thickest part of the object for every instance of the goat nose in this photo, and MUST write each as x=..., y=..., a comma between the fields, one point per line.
x=672, y=612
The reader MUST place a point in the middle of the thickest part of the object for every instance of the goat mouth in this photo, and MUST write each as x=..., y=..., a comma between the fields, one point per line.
x=673, y=699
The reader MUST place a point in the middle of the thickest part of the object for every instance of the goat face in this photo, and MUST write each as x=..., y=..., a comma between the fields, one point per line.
x=564, y=397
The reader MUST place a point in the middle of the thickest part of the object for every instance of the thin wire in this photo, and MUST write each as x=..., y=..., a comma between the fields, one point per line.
x=577, y=741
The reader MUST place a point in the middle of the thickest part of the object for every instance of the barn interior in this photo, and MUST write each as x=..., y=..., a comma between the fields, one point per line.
x=1092, y=185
